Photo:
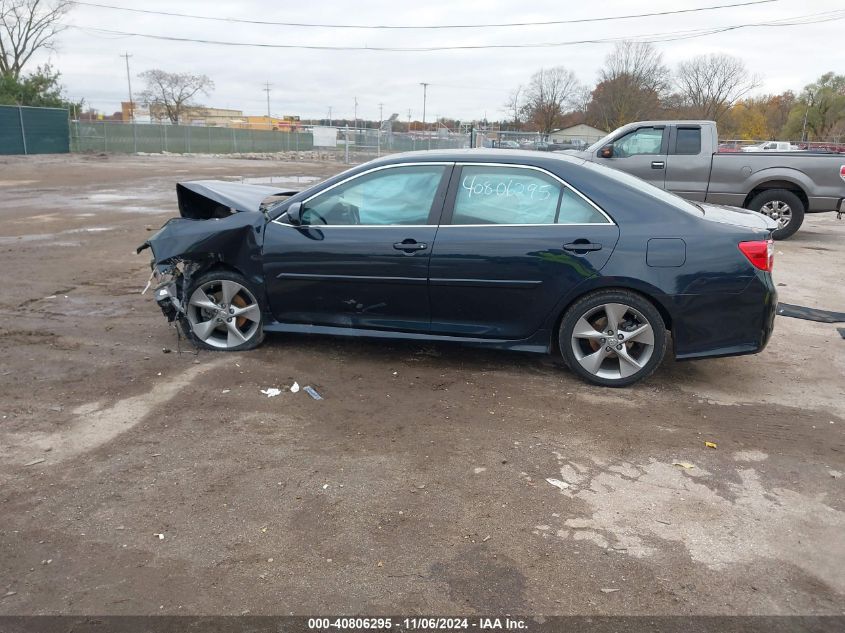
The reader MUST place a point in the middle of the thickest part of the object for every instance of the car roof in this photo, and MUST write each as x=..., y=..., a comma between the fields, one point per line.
x=484, y=155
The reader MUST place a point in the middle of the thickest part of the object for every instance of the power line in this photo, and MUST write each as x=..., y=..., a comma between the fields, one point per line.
x=669, y=36
x=431, y=26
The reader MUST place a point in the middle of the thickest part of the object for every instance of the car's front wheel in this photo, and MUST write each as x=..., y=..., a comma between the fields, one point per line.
x=222, y=313
x=612, y=338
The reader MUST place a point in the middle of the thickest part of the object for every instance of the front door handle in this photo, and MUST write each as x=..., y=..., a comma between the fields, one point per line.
x=410, y=246
x=658, y=164
x=581, y=246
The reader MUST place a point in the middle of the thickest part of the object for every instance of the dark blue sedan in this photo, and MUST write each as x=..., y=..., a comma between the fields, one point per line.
x=508, y=249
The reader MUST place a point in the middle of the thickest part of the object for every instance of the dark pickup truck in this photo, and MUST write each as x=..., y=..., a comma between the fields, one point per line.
x=683, y=157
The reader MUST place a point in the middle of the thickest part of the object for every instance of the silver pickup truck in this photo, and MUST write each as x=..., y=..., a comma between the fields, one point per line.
x=683, y=157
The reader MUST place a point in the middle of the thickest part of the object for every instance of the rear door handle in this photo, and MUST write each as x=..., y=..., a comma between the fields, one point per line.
x=410, y=246
x=658, y=164
x=582, y=246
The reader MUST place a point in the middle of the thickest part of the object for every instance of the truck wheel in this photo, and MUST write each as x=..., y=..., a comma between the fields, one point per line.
x=783, y=206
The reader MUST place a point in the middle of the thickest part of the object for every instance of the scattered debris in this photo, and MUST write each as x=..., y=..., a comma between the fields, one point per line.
x=479, y=470
x=485, y=539
x=294, y=388
x=311, y=392
x=810, y=314
x=160, y=536
x=380, y=564
x=557, y=483
x=35, y=461
x=272, y=392
x=835, y=474
x=8, y=594
x=663, y=522
x=166, y=350
x=325, y=486
x=686, y=465
x=226, y=391
x=269, y=560
x=609, y=590
x=710, y=444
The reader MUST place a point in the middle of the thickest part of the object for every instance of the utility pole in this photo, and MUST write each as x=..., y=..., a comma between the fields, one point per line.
x=425, y=93
x=380, y=114
x=330, y=116
x=267, y=90
x=126, y=56
x=129, y=83
x=378, y=132
x=355, y=115
x=409, y=120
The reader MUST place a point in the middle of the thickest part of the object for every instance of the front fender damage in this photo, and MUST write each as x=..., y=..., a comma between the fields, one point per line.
x=184, y=248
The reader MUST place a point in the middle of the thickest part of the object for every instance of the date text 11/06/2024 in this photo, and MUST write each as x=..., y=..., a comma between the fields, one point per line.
x=417, y=623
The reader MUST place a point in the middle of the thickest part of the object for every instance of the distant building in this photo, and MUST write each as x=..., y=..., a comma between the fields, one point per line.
x=196, y=115
x=281, y=124
x=582, y=132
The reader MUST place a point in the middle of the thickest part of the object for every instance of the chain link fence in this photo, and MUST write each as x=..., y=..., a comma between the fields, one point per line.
x=342, y=144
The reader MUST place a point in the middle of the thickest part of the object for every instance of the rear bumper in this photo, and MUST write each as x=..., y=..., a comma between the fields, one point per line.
x=710, y=326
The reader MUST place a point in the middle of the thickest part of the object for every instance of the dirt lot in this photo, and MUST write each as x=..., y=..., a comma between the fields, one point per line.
x=419, y=483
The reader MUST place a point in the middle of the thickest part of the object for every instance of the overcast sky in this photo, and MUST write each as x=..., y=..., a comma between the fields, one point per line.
x=465, y=84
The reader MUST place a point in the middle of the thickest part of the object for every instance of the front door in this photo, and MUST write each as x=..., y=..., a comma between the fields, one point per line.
x=642, y=153
x=512, y=244
x=360, y=258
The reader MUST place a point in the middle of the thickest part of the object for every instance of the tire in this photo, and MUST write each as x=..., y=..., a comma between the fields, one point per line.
x=585, y=347
x=222, y=313
x=775, y=203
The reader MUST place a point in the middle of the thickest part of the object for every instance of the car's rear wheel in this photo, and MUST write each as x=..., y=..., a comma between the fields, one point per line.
x=222, y=313
x=783, y=206
x=612, y=338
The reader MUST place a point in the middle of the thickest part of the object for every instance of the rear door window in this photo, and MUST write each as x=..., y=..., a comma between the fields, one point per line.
x=688, y=140
x=514, y=195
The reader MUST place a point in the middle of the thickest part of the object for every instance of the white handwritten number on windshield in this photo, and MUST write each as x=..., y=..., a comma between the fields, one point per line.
x=505, y=188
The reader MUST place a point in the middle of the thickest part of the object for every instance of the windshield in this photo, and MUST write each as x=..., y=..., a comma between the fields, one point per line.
x=650, y=190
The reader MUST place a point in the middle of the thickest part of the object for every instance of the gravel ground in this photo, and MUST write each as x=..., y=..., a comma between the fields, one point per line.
x=141, y=482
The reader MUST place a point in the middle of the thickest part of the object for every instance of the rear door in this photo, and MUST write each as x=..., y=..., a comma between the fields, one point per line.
x=641, y=152
x=360, y=258
x=687, y=171
x=513, y=241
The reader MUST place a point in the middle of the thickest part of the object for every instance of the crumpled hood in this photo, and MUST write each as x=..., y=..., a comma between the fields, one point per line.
x=205, y=199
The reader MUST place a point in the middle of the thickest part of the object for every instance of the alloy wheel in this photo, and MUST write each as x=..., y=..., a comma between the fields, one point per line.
x=779, y=211
x=613, y=341
x=223, y=314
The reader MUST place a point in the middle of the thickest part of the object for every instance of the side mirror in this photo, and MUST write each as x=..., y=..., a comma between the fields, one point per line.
x=606, y=151
x=294, y=213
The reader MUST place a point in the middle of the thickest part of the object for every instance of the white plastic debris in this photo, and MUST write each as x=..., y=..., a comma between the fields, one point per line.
x=35, y=461
x=271, y=392
x=294, y=388
x=160, y=536
x=226, y=391
x=325, y=486
x=557, y=483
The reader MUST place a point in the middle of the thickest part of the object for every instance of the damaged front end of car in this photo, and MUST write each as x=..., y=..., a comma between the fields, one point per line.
x=221, y=226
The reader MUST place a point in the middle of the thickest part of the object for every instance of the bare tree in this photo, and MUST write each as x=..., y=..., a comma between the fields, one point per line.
x=631, y=86
x=514, y=106
x=549, y=93
x=27, y=26
x=641, y=63
x=172, y=93
x=710, y=84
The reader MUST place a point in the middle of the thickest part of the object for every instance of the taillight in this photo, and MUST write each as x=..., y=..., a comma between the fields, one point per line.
x=761, y=253
x=842, y=172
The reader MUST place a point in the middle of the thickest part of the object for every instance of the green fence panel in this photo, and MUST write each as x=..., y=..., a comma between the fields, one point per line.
x=11, y=139
x=25, y=130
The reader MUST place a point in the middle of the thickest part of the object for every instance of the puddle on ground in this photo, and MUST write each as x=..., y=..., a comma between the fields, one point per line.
x=39, y=237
